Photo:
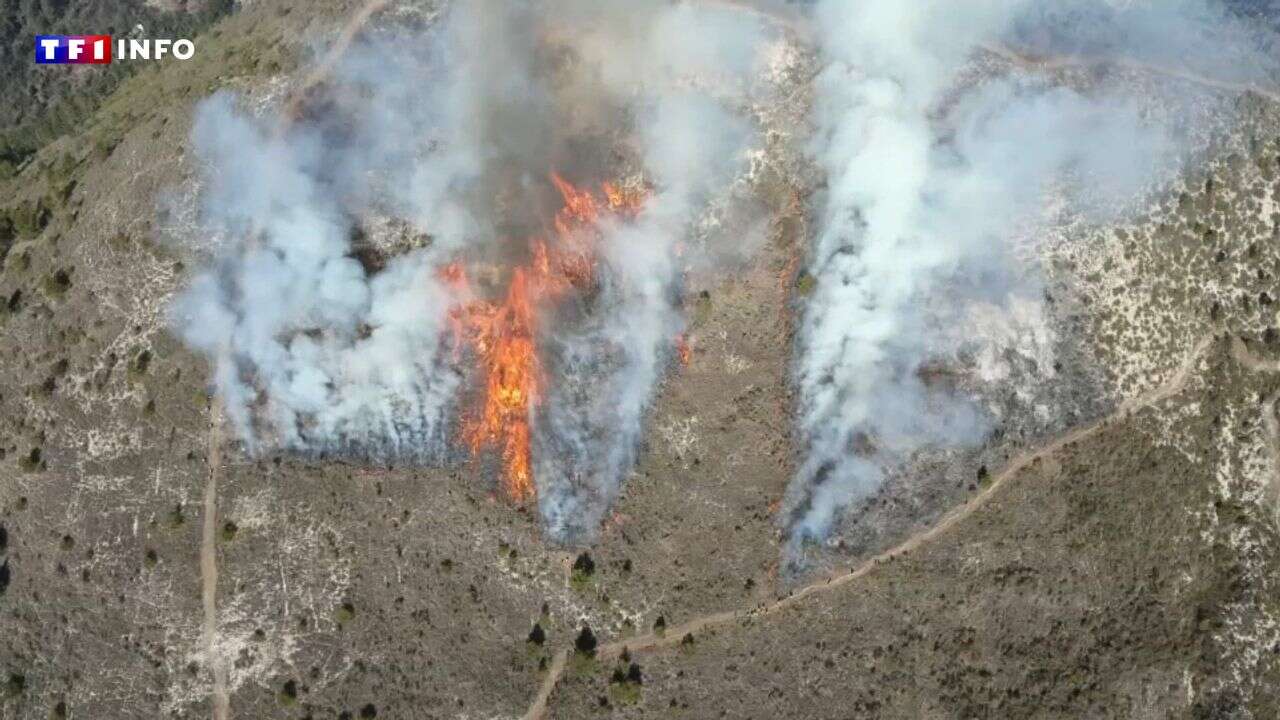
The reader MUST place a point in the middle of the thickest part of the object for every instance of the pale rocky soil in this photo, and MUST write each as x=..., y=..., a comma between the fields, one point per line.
x=1129, y=572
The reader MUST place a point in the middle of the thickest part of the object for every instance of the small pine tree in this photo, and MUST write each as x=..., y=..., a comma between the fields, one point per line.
x=586, y=642
x=584, y=564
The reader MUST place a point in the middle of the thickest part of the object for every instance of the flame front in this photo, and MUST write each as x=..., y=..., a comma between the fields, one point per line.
x=504, y=335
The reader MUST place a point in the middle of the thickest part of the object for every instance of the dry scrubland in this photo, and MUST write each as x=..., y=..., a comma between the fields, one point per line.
x=1128, y=573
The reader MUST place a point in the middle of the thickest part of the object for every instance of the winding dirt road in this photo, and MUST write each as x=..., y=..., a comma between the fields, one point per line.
x=673, y=635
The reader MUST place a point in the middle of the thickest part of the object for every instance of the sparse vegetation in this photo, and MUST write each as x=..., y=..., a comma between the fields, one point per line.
x=625, y=683
x=915, y=612
x=176, y=518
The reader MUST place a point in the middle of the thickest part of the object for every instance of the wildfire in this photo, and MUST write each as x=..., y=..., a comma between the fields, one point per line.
x=504, y=334
x=684, y=349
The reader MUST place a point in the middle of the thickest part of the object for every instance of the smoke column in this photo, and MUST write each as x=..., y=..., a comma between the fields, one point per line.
x=607, y=371
x=923, y=186
x=453, y=131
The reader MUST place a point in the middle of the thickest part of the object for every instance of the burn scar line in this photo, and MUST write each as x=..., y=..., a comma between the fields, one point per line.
x=672, y=636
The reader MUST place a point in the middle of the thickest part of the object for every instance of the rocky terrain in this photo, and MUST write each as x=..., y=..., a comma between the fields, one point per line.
x=1110, y=551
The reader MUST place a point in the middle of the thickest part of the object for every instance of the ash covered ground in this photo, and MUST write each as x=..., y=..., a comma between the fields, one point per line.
x=1106, y=548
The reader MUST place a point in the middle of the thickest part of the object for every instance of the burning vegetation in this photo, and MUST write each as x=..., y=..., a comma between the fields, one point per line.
x=530, y=320
x=503, y=335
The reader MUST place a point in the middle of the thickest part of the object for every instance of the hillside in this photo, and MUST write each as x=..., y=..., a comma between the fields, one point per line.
x=1110, y=549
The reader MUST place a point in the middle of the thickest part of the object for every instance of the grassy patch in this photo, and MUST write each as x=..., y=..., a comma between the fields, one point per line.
x=624, y=693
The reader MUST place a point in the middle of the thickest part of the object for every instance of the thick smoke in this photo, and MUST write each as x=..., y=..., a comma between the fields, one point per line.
x=317, y=348
x=309, y=352
x=672, y=60
x=608, y=369
x=926, y=179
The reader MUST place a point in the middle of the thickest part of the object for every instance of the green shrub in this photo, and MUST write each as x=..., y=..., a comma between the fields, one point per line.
x=32, y=461
x=29, y=219
x=345, y=613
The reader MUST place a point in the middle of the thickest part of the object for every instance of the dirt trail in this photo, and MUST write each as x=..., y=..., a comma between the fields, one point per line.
x=1048, y=63
x=220, y=694
x=1272, y=424
x=780, y=16
x=1241, y=354
x=1270, y=421
x=209, y=566
x=674, y=635
x=798, y=25
x=321, y=72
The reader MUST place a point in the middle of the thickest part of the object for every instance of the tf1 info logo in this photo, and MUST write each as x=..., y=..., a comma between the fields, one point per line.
x=97, y=49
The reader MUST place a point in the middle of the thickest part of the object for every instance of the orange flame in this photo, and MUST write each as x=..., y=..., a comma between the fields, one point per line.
x=504, y=335
x=684, y=349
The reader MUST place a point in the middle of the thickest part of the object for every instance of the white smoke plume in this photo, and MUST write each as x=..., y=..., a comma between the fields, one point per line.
x=453, y=131
x=608, y=369
x=303, y=342
x=925, y=180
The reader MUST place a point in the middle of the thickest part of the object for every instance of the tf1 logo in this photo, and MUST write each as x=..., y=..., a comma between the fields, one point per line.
x=97, y=49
